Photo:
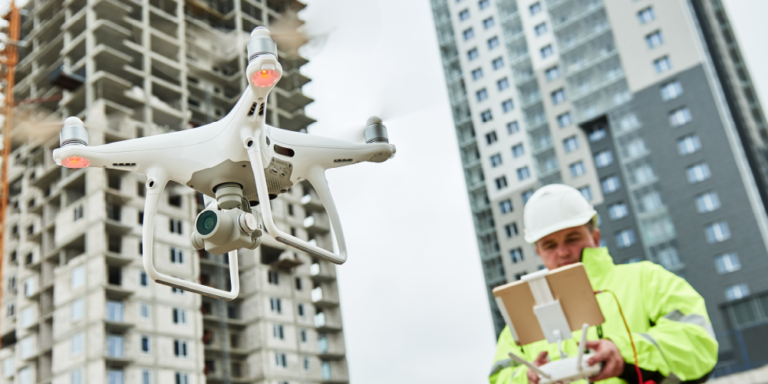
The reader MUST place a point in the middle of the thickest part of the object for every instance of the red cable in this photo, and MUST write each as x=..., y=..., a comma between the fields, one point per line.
x=634, y=350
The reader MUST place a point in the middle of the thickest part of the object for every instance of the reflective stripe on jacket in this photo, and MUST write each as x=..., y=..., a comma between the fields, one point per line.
x=667, y=317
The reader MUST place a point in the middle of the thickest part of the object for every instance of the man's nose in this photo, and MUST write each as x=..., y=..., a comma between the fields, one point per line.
x=562, y=251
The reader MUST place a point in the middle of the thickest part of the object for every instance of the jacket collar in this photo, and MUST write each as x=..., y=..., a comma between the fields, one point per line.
x=597, y=262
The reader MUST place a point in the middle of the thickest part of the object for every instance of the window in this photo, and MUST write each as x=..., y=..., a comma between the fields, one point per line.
x=76, y=310
x=182, y=378
x=468, y=33
x=501, y=182
x=298, y=283
x=29, y=287
x=679, y=117
x=281, y=360
x=513, y=127
x=486, y=116
x=11, y=311
x=507, y=105
x=273, y=277
x=493, y=42
x=143, y=279
x=179, y=316
x=487, y=23
x=483, y=4
x=688, y=144
x=553, y=73
x=76, y=344
x=604, y=158
x=646, y=15
x=510, y=230
x=76, y=377
x=177, y=256
x=144, y=310
x=114, y=310
x=463, y=15
x=671, y=90
x=540, y=29
x=300, y=309
x=78, y=212
x=610, y=184
x=663, y=64
x=495, y=160
x=535, y=8
x=518, y=150
x=564, y=120
x=490, y=137
x=654, y=39
x=25, y=375
x=497, y=63
x=547, y=51
x=717, y=232
x=738, y=291
x=523, y=173
x=698, y=173
x=669, y=259
x=177, y=291
x=78, y=276
x=274, y=305
x=597, y=135
x=625, y=238
x=175, y=226
x=481, y=94
x=577, y=169
x=146, y=377
x=27, y=317
x=477, y=73
x=277, y=332
x=586, y=191
x=558, y=96
x=502, y=84
x=145, y=344
x=571, y=144
x=472, y=54
x=505, y=206
x=617, y=211
x=707, y=202
x=306, y=363
x=303, y=335
x=516, y=255
x=727, y=263
x=180, y=348
x=527, y=195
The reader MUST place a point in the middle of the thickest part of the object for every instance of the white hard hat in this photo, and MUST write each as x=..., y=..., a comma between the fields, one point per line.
x=553, y=208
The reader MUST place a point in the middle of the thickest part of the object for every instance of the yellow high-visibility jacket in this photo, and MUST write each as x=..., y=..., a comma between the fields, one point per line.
x=667, y=318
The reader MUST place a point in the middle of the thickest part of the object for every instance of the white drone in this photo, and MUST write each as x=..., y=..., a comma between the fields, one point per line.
x=226, y=159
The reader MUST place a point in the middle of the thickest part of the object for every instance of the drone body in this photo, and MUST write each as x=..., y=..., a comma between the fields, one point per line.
x=240, y=160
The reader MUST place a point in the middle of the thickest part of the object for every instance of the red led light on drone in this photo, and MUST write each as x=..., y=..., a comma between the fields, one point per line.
x=265, y=78
x=75, y=162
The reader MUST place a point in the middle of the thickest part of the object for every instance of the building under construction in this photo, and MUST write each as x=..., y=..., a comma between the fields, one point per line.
x=77, y=306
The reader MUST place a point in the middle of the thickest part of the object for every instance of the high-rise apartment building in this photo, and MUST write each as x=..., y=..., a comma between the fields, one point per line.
x=77, y=306
x=647, y=108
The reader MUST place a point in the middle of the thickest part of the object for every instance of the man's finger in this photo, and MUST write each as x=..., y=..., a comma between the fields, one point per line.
x=599, y=356
x=605, y=373
x=541, y=359
x=593, y=344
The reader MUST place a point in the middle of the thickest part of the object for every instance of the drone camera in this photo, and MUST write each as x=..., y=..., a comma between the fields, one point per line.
x=227, y=225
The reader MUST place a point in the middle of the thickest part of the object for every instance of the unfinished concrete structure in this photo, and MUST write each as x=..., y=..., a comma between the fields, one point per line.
x=77, y=306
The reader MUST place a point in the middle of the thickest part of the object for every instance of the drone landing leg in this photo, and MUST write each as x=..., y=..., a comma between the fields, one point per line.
x=156, y=181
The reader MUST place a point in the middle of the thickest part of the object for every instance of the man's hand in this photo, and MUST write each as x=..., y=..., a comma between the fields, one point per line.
x=606, y=352
x=533, y=378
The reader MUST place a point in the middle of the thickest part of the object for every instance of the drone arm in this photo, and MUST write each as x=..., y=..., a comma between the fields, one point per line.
x=317, y=178
x=156, y=181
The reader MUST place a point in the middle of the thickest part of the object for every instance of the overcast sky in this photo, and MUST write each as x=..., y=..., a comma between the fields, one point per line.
x=412, y=292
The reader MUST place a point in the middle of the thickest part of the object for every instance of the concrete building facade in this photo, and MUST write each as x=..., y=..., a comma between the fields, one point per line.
x=648, y=109
x=77, y=306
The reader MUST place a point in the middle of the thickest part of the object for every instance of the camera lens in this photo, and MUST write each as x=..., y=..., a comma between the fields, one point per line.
x=206, y=222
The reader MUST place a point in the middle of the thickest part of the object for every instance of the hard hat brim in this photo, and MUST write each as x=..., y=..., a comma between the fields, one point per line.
x=579, y=220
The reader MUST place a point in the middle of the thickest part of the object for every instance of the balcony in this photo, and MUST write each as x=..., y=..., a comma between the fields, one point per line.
x=322, y=271
x=334, y=372
x=114, y=351
x=325, y=296
x=328, y=320
x=311, y=201
x=317, y=223
x=114, y=320
x=331, y=346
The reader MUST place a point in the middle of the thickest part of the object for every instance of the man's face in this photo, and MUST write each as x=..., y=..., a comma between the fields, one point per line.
x=564, y=247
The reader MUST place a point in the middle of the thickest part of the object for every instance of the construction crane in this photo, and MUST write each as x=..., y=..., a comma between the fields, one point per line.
x=9, y=57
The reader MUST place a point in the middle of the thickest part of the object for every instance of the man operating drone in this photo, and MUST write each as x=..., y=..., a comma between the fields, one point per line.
x=237, y=162
x=670, y=339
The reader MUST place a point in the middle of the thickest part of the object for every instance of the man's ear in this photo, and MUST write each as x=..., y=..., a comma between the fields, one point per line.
x=596, y=237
